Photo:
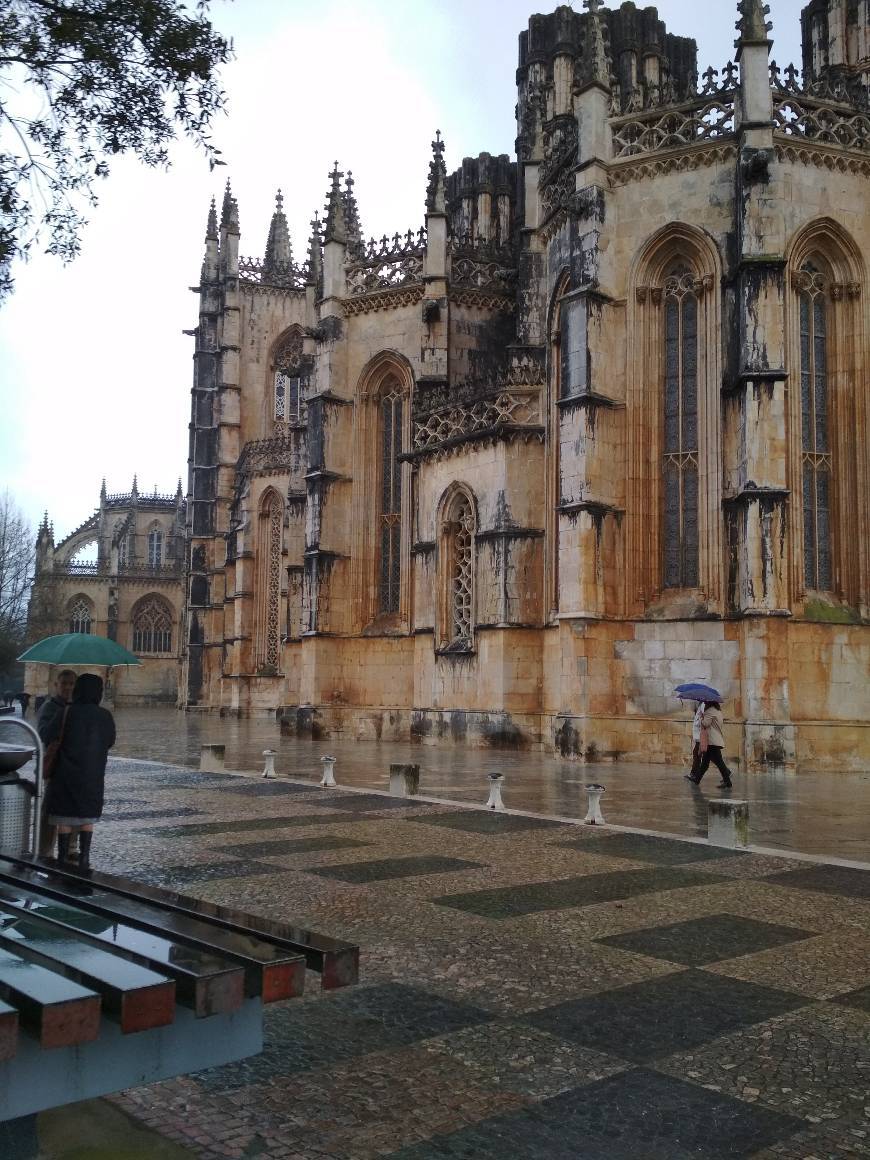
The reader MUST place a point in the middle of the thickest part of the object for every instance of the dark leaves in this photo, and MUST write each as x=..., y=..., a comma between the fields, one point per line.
x=82, y=83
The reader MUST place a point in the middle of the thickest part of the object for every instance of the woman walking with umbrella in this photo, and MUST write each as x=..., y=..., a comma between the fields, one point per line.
x=712, y=739
x=74, y=800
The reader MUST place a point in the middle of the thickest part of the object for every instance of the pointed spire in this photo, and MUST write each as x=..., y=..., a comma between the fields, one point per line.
x=753, y=26
x=211, y=229
x=227, y=205
x=134, y=491
x=335, y=225
x=315, y=255
x=103, y=491
x=595, y=59
x=43, y=527
x=436, y=190
x=351, y=212
x=278, y=251
x=179, y=494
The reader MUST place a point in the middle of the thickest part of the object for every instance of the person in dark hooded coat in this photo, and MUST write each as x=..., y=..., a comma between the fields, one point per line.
x=76, y=788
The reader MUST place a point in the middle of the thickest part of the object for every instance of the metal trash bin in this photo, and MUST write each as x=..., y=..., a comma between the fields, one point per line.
x=17, y=796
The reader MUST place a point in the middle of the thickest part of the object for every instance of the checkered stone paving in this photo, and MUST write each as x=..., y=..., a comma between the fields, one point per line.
x=658, y=851
x=528, y=989
x=706, y=940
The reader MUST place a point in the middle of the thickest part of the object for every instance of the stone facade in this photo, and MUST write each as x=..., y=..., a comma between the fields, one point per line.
x=119, y=574
x=598, y=428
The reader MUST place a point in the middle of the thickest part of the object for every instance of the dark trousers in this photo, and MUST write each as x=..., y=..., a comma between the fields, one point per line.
x=696, y=760
x=714, y=755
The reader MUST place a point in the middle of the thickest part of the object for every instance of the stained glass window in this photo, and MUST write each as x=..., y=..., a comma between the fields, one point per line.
x=460, y=571
x=152, y=626
x=391, y=413
x=680, y=434
x=815, y=445
x=80, y=616
x=155, y=548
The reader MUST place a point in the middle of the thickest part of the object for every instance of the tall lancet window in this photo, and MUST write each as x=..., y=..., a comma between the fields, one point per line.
x=680, y=434
x=286, y=401
x=271, y=543
x=457, y=573
x=815, y=442
x=391, y=407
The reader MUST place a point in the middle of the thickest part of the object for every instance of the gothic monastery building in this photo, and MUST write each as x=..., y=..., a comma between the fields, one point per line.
x=598, y=427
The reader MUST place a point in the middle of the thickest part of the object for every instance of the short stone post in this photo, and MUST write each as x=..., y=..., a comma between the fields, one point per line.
x=594, y=816
x=404, y=780
x=328, y=779
x=727, y=823
x=494, y=802
x=211, y=758
x=269, y=767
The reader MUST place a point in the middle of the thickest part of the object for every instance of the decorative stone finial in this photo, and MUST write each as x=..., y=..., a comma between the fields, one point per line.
x=753, y=25
x=314, y=274
x=279, y=255
x=179, y=494
x=335, y=225
x=211, y=229
x=351, y=212
x=227, y=205
x=436, y=190
x=595, y=65
x=134, y=491
x=103, y=490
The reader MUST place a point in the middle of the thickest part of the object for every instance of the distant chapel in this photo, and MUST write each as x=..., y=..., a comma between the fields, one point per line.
x=597, y=428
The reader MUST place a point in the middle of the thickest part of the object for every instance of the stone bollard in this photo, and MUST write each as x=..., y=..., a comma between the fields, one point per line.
x=494, y=802
x=328, y=779
x=269, y=767
x=727, y=823
x=594, y=816
x=404, y=780
x=211, y=758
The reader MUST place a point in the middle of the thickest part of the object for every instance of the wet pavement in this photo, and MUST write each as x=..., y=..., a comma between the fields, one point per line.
x=824, y=814
x=528, y=988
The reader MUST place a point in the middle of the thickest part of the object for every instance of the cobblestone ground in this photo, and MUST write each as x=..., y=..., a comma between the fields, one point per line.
x=528, y=989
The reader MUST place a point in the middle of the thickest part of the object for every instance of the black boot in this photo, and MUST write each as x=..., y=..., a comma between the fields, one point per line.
x=63, y=847
x=85, y=838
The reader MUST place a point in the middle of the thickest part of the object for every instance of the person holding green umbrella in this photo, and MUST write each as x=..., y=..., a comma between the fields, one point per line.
x=76, y=789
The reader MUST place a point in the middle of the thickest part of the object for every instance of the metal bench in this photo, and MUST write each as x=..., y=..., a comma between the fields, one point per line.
x=105, y=984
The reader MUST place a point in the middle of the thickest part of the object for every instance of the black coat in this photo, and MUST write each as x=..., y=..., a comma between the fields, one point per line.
x=75, y=789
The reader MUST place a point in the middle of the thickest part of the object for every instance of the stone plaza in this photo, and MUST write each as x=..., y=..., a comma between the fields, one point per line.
x=528, y=988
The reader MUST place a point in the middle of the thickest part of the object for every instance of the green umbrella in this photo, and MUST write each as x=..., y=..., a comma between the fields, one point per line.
x=78, y=648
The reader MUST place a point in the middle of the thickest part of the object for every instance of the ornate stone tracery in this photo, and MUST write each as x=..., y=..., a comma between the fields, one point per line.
x=152, y=626
x=271, y=543
x=80, y=615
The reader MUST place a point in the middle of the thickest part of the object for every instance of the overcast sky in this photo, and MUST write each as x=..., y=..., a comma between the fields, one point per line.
x=95, y=372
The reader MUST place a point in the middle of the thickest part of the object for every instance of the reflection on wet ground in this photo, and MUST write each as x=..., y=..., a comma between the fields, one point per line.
x=812, y=813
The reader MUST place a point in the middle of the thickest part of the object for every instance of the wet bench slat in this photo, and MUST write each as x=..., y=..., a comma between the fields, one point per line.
x=8, y=1031
x=271, y=973
x=133, y=995
x=57, y=1011
x=337, y=962
x=207, y=983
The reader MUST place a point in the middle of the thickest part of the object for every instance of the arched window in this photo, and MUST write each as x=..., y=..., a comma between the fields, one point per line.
x=80, y=615
x=390, y=570
x=674, y=537
x=286, y=380
x=815, y=442
x=680, y=433
x=152, y=626
x=458, y=525
x=155, y=548
x=828, y=411
x=269, y=554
